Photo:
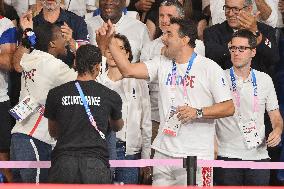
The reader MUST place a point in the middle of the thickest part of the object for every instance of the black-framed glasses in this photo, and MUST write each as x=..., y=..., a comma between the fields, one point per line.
x=240, y=48
x=235, y=10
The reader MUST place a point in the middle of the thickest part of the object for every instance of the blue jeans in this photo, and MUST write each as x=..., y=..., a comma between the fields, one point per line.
x=27, y=148
x=127, y=175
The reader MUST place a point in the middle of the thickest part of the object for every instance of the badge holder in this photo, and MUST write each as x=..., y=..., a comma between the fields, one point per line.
x=172, y=124
x=24, y=108
x=249, y=131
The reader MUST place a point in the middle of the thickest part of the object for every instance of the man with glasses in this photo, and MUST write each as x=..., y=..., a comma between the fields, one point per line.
x=242, y=136
x=267, y=9
x=239, y=16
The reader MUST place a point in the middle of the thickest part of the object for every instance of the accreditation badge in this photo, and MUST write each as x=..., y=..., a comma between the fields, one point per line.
x=250, y=133
x=24, y=108
x=172, y=124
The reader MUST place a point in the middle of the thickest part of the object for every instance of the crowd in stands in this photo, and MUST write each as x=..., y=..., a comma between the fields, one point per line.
x=87, y=81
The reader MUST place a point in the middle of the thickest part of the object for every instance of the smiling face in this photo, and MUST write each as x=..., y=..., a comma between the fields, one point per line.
x=172, y=41
x=232, y=10
x=165, y=14
x=59, y=43
x=111, y=9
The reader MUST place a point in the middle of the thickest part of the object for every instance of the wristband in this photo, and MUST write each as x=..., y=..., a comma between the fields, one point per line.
x=29, y=39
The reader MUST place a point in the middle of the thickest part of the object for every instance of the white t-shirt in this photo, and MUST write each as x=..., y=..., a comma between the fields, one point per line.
x=229, y=137
x=21, y=6
x=218, y=14
x=206, y=85
x=135, y=31
x=41, y=72
x=137, y=129
x=151, y=50
x=7, y=35
x=79, y=7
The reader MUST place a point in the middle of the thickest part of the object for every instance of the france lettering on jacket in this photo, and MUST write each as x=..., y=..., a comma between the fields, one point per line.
x=189, y=80
x=76, y=100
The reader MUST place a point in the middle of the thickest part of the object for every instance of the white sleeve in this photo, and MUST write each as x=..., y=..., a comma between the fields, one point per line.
x=146, y=52
x=32, y=2
x=205, y=3
x=199, y=48
x=271, y=99
x=64, y=74
x=273, y=18
x=145, y=38
x=219, y=85
x=146, y=124
x=217, y=12
x=152, y=67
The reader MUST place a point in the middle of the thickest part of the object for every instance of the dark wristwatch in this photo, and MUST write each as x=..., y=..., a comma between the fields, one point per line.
x=257, y=33
x=199, y=113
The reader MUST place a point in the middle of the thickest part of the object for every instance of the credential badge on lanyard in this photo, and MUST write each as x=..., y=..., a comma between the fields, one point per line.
x=88, y=111
x=172, y=124
x=248, y=129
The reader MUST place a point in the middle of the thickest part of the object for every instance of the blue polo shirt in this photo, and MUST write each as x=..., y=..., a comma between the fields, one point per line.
x=75, y=22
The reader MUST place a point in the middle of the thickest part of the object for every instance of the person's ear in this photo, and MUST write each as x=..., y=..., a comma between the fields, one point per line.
x=52, y=44
x=185, y=40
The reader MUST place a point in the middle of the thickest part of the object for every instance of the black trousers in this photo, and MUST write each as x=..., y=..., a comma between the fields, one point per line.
x=241, y=177
x=79, y=170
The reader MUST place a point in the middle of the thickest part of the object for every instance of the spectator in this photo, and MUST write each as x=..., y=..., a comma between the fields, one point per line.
x=242, y=136
x=182, y=77
x=134, y=30
x=81, y=155
x=134, y=140
x=266, y=8
x=8, y=39
x=167, y=10
x=73, y=26
x=41, y=71
x=189, y=13
x=239, y=15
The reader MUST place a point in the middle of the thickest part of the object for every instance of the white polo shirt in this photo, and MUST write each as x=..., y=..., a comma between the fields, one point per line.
x=218, y=14
x=137, y=129
x=230, y=140
x=135, y=31
x=206, y=85
x=152, y=49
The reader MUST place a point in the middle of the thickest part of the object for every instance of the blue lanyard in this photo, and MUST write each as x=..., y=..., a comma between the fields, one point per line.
x=87, y=109
x=234, y=87
x=190, y=62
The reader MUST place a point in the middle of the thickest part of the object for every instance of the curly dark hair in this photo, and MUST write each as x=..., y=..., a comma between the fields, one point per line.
x=87, y=56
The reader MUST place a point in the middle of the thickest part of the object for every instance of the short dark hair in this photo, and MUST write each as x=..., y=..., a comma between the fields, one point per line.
x=87, y=56
x=186, y=28
x=45, y=33
x=243, y=33
x=126, y=45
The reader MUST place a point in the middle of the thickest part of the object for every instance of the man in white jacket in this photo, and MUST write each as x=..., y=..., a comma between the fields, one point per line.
x=41, y=71
x=134, y=140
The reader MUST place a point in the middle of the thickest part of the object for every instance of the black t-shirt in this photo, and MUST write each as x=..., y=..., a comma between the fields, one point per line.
x=76, y=134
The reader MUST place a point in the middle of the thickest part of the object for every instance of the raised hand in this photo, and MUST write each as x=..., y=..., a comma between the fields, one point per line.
x=26, y=20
